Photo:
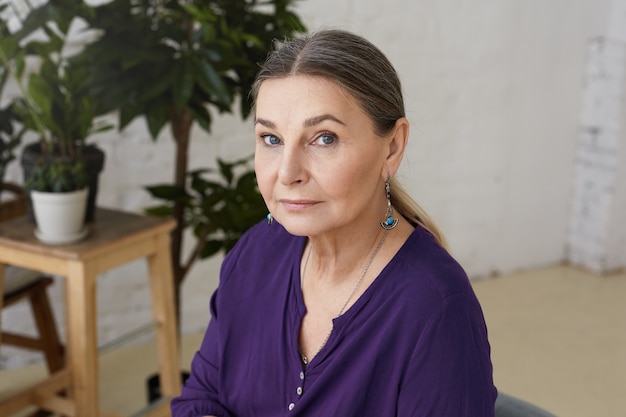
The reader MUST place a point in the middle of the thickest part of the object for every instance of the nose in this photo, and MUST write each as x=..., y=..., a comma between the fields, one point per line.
x=291, y=169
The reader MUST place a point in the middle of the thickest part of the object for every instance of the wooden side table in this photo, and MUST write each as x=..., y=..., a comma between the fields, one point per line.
x=115, y=238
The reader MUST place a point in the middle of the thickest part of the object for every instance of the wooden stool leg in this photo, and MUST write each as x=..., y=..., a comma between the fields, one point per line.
x=162, y=288
x=52, y=348
x=1, y=299
x=46, y=326
x=82, y=351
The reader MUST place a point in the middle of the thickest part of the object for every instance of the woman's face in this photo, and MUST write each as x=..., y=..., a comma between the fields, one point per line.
x=319, y=164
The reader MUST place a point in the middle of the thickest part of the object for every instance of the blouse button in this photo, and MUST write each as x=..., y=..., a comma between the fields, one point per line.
x=291, y=406
x=299, y=390
x=301, y=375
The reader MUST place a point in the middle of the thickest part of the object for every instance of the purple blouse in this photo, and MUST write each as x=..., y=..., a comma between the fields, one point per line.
x=414, y=344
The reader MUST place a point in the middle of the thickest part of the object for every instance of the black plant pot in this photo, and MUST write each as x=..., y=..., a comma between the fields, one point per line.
x=94, y=163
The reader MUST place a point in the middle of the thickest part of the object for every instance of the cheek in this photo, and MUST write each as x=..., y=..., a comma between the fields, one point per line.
x=352, y=185
x=341, y=181
x=263, y=178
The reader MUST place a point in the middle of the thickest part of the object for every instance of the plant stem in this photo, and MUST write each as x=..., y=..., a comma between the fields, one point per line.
x=181, y=121
x=197, y=250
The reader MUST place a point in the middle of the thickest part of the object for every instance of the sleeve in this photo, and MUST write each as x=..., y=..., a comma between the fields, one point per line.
x=200, y=395
x=450, y=371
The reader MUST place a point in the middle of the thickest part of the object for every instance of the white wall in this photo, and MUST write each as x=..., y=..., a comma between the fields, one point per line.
x=597, y=237
x=616, y=242
x=493, y=90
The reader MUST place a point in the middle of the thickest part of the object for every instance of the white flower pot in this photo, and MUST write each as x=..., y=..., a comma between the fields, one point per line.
x=60, y=217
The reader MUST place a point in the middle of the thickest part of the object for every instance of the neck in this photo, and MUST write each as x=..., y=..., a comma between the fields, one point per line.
x=342, y=257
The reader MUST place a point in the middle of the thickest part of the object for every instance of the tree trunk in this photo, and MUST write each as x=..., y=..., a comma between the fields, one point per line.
x=181, y=122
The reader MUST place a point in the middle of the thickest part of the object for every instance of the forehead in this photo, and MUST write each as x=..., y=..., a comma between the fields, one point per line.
x=305, y=93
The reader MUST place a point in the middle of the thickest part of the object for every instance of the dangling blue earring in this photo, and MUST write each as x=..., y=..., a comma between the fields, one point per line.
x=270, y=219
x=389, y=222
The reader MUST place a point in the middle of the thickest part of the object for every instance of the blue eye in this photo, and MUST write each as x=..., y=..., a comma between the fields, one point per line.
x=270, y=140
x=326, y=139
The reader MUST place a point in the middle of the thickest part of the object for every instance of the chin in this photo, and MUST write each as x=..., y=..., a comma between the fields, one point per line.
x=300, y=227
x=296, y=229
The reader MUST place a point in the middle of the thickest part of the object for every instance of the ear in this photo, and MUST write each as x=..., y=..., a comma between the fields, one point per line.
x=396, y=144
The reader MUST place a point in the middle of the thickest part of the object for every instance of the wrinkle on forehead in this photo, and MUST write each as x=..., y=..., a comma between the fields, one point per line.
x=340, y=89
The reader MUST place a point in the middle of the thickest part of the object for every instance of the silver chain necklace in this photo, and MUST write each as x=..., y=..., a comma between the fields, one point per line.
x=305, y=360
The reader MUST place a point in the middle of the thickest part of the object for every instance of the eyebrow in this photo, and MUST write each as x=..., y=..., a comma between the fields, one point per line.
x=319, y=119
x=265, y=123
x=307, y=123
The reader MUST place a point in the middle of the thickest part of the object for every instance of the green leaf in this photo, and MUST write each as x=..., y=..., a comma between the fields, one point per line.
x=127, y=115
x=159, y=211
x=8, y=46
x=156, y=118
x=226, y=170
x=40, y=92
x=201, y=114
x=184, y=88
x=202, y=185
x=168, y=192
x=162, y=84
x=247, y=182
x=211, y=247
x=211, y=82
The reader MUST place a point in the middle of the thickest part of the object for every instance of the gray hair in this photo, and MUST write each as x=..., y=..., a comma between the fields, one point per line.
x=351, y=61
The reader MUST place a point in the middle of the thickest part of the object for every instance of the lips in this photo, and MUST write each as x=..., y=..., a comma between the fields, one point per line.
x=297, y=205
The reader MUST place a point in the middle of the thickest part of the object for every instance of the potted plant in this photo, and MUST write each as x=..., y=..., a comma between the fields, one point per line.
x=176, y=63
x=54, y=103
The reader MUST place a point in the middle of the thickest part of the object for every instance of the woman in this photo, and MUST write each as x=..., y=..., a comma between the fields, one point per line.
x=345, y=302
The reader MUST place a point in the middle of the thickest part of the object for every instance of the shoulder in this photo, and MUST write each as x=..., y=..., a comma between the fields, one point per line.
x=426, y=263
x=425, y=278
x=431, y=290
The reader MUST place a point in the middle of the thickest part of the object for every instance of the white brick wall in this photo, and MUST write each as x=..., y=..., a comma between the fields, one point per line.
x=494, y=95
x=597, y=156
x=597, y=238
